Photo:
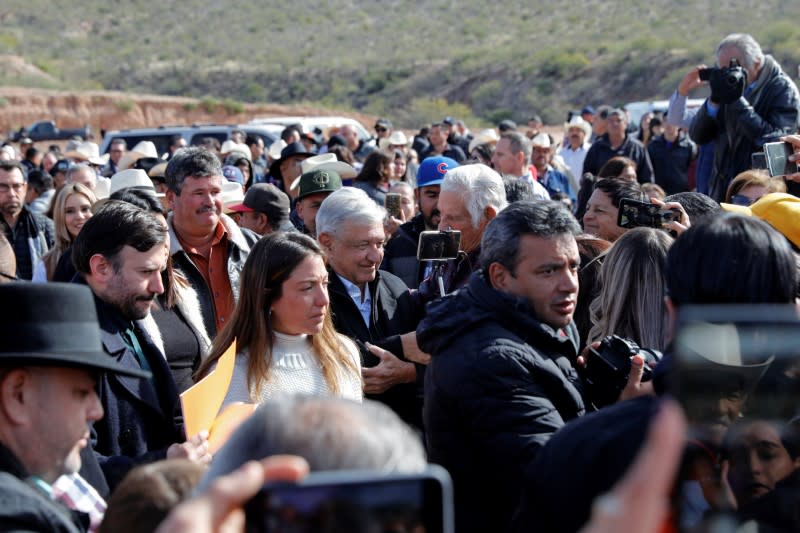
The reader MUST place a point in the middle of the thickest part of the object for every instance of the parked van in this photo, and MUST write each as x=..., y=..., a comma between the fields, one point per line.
x=193, y=134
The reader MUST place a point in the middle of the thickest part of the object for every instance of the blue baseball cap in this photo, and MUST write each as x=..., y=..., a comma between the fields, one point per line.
x=233, y=173
x=432, y=170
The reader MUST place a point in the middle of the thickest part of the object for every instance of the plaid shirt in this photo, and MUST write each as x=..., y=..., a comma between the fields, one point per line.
x=74, y=492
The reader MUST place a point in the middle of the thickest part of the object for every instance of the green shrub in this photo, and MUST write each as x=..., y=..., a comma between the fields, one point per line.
x=209, y=104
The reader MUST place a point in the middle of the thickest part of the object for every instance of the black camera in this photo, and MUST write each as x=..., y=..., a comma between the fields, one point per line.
x=727, y=83
x=606, y=371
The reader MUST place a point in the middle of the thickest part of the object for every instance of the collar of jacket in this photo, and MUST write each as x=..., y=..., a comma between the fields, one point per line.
x=9, y=463
x=234, y=234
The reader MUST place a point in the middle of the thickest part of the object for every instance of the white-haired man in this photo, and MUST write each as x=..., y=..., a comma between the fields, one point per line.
x=471, y=196
x=372, y=307
x=739, y=120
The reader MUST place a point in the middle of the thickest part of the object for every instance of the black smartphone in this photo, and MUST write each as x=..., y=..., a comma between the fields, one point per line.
x=777, y=155
x=737, y=377
x=758, y=161
x=438, y=245
x=634, y=214
x=355, y=501
x=392, y=204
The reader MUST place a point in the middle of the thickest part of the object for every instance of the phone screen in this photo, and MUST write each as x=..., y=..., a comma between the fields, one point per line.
x=737, y=376
x=438, y=245
x=633, y=214
x=777, y=155
x=354, y=502
x=392, y=204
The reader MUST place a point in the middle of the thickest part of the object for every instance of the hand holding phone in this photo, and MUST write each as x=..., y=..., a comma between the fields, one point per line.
x=778, y=162
x=392, y=203
x=633, y=214
x=355, y=501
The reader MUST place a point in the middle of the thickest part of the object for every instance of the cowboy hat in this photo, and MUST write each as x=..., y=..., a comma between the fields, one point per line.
x=487, y=136
x=295, y=149
x=578, y=122
x=87, y=151
x=142, y=149
x=135, y=178
x=53, y=324
x=325, y=162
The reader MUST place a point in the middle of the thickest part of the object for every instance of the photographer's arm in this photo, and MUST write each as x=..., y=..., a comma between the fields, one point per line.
x=704, y=127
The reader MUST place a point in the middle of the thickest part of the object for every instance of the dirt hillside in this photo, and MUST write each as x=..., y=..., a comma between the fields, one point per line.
x=106, y=110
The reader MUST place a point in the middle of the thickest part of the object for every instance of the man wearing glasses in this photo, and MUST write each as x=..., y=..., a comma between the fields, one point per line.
x=31, y=235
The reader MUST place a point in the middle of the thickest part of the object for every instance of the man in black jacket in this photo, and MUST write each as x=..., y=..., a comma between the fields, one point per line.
x=373, y=308
x=500, y=381
x=766, y=107
x=617, y=141
x=120, y=254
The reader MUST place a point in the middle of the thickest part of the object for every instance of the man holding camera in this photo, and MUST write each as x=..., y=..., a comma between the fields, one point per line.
x=752, y=102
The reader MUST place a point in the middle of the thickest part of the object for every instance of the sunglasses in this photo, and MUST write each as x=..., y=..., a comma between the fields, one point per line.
x=740, y=199
x=380, y=129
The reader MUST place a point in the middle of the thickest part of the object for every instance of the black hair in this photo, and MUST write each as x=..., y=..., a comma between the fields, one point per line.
x=617, y=189
x=500, y=242
x=116, y=225
x=40, y=180
x=696, y=204
x=518, y=190
x=731, y=259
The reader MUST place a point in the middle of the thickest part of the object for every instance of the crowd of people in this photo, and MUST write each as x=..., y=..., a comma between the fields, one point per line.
x=127, y=278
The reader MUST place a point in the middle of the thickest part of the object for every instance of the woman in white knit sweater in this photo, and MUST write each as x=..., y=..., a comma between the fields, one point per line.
x=283, y=330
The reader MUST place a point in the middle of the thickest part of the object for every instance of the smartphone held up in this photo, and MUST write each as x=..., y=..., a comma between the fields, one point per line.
x=356, y=502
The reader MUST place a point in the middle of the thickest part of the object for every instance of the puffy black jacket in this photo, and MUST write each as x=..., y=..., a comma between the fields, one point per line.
x=769, y=111
x=499, y=384
x=601, y=151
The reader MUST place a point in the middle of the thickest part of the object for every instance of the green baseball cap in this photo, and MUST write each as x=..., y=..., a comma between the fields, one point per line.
x=319, y=180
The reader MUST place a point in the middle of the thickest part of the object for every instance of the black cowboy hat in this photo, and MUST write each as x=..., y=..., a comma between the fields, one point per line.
x=294, y=149
x=53, y=324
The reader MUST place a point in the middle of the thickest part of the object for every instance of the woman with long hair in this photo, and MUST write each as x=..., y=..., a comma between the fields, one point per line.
x=72, y=207
x=283, y=330
x=374, y=176
x=631, y=300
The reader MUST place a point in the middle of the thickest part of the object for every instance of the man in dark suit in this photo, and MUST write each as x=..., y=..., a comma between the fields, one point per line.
x=372, y=307
x=120, y=254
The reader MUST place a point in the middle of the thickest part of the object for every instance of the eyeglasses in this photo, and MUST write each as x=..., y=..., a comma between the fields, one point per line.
x=380, y=129
x=740, y=199
x=5, y=187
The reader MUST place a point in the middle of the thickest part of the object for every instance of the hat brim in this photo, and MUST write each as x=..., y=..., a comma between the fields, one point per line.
x=100, y=361
x=437, y=181
x=738, y=209
x=239, y=208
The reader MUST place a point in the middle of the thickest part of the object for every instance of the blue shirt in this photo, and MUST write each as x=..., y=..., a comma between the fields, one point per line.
x=365, y=306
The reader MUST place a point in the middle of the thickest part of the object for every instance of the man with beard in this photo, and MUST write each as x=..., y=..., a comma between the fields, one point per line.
x=120, y=254
x=207, y=246
x=400, y=253
x=30, y=234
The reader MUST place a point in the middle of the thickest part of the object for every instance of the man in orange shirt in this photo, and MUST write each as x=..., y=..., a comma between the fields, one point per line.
x=205, y=245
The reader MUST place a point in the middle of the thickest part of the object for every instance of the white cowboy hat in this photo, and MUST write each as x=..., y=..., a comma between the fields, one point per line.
x=488, y=136
x=275, y=149
x=578, y=122
x=232, y=146
x=87, y=151
x=324, y=162
x=132, y=178
x=142, y=149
